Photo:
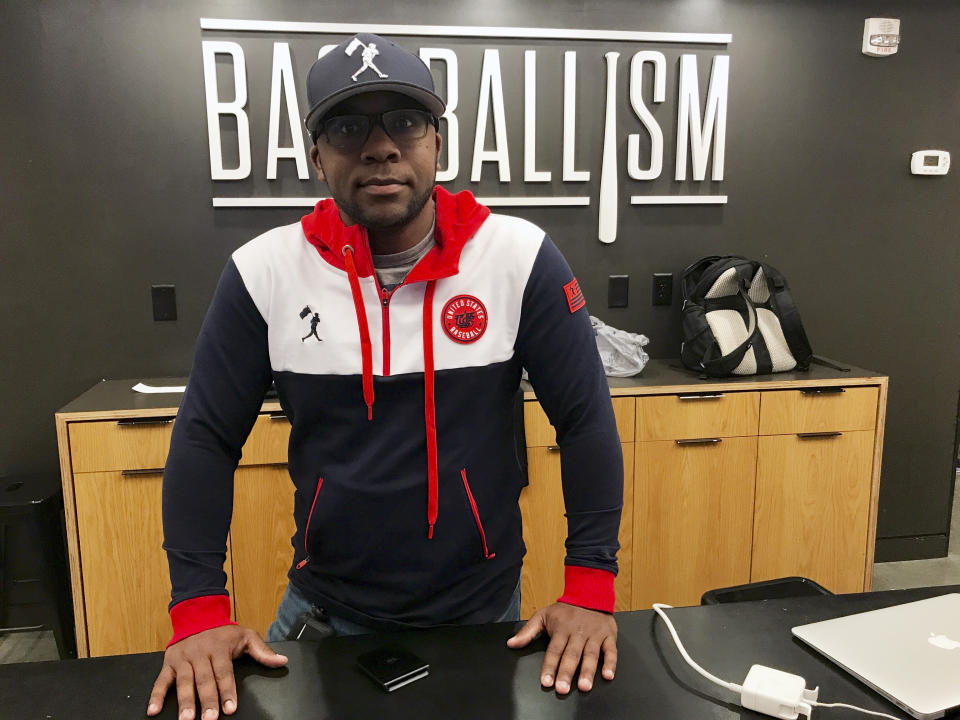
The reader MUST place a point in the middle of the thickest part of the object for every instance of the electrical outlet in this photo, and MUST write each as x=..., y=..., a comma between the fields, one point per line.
x=618, y=291
x=164, y=302
x=663, y=288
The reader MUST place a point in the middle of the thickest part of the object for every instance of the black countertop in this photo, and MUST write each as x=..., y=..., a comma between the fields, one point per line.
x=474, y=675
x=118, y=395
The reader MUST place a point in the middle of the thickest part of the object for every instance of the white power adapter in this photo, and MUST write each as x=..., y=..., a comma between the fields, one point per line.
x=767, y=690
x=777, y=693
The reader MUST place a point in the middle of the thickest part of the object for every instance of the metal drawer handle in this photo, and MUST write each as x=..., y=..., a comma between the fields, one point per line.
x=147, y=471
x=701, y=396
x=553, y=448
x=813, y=436
x=823, y=391
x=278, y=416
x=133, y=422
x=700, y=441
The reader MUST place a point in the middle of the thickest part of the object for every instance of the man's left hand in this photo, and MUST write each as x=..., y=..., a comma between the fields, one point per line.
x=577, y=637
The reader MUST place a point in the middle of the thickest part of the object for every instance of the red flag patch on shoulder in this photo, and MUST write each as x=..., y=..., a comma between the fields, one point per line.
x=574, y=296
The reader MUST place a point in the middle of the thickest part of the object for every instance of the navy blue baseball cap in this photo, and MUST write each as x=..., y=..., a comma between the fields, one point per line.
x=366, y=63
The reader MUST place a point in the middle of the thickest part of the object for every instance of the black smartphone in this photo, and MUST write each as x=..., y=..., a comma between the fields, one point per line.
x=392, y=667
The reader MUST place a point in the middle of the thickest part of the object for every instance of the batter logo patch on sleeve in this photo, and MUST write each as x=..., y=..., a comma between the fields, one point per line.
x=464, y=319
x=574, y=296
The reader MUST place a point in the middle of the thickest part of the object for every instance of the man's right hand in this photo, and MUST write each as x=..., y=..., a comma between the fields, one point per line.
x=205, y=661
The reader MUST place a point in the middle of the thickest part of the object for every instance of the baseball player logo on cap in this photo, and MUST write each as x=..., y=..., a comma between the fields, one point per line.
x=369, y=53
x=334, y=77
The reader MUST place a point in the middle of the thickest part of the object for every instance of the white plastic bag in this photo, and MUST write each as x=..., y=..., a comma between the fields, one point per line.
x=621, y=351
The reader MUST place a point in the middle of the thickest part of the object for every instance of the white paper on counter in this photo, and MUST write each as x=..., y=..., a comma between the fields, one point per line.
x=144, y=388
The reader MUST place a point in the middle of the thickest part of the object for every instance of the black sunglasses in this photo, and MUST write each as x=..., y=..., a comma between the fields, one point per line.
x=350, y=132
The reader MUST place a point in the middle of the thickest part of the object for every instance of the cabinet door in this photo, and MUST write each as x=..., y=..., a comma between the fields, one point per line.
x=545, y=530
x=812, y=514
x=693, y=510
x=126, y=580
x=260, y=537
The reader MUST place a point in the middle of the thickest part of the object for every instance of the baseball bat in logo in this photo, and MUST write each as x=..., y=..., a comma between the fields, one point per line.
x=464, y=319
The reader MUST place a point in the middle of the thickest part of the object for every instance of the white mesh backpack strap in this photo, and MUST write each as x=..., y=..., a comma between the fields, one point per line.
x=725, y=364
x=782, y=305
x=719, y=321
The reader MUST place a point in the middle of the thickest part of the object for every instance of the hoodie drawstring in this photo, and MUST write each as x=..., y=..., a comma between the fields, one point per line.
x=429, y=405
x=366, y=350
x=429, y=408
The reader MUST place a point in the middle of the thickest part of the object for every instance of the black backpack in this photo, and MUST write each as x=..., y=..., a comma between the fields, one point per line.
x=738, y=318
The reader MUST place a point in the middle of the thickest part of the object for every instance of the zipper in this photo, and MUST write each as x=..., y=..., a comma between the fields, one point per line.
x=385, y=296
x=487, y=555
x=306, y=530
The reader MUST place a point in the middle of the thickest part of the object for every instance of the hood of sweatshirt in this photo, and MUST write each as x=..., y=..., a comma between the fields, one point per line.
x=458, y=217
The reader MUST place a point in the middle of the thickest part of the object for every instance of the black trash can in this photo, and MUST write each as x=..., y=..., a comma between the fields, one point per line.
x=765, y=590
x=34, y=572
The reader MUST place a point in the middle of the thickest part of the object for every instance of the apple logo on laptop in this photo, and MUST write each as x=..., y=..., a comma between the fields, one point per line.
x=942, y=641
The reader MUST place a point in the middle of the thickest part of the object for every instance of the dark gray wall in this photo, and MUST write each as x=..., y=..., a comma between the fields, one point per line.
x=106, y=190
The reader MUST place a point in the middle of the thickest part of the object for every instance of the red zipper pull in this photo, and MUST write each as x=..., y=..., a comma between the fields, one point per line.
x=303, y=562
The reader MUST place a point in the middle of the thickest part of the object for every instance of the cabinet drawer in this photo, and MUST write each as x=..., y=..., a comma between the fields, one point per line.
x=818, y=410
x=267, y=442
x=678, y=417
x=111, y=445
x=540, y=432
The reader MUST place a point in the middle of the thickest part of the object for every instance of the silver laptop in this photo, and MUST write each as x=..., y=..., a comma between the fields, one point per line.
x=908, y=653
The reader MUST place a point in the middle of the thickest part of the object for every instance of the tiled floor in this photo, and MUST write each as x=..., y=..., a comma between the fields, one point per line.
x=35, y=646
x=28, y=647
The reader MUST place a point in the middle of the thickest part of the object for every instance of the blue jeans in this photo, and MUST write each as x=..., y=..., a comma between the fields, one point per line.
x=294, y=604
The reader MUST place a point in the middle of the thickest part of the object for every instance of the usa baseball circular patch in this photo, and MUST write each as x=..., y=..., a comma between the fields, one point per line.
x=464, y=319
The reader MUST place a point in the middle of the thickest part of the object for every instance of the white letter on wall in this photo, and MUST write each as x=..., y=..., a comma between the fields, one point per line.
x=452, y=137
x=570, y=119
x=490, y=83
x=688, y=116
x=215, y=108
x=607, y=230
x=283, y=79
x=653, y=127
x=530, y=172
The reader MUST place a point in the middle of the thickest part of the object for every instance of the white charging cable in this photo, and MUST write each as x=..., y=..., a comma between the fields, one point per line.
x=765, y=689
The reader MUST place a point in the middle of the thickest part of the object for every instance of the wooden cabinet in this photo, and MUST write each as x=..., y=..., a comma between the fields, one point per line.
x=725, y=481
x=815, y=509
x=112, y=469
x=544, y=525
x=733, y=481
x=693, y=517
x=260, y=535
x=126, y=576
x=812, y=508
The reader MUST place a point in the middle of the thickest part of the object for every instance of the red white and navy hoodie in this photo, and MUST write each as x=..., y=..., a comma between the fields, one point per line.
x=402, y=448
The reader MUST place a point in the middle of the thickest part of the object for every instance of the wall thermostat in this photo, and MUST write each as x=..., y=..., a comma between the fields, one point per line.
x=930, y=162
x=881, y=36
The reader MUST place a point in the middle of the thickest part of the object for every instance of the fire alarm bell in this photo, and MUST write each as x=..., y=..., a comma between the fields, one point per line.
x=881, y=36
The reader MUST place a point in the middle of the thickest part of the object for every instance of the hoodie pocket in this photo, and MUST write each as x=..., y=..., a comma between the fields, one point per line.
x=306, y=529
x=487, y=555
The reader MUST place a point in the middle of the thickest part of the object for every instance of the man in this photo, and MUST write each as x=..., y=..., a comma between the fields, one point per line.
x=401, y=445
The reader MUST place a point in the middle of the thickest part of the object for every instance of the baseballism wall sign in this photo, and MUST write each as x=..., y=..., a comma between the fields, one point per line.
x=699, y=125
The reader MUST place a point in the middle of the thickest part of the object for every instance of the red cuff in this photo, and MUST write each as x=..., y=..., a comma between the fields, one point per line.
x=588, y=588
x=198, y=614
